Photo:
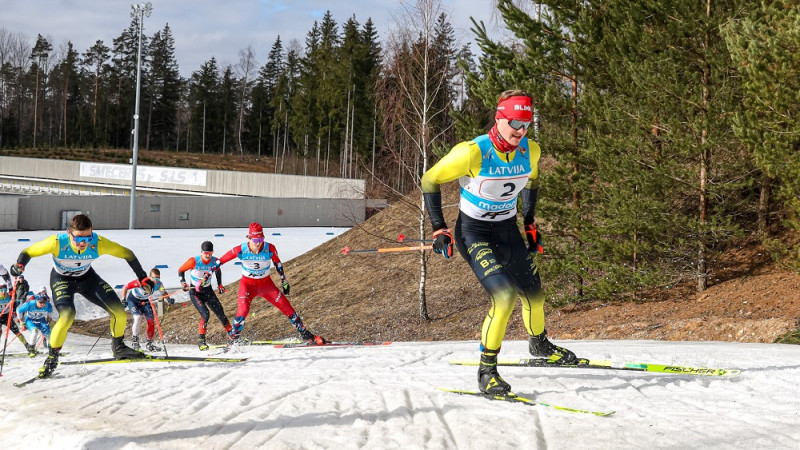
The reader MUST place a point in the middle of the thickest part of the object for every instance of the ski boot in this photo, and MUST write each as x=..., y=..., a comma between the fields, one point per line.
x=122, y=351
x=201, y=343
x=312, y=338
x=234, y=341
x=489, y=380
x=135, y=343
x=50, y=363
x=150, y=347
x=31, y=350
x=540, y=346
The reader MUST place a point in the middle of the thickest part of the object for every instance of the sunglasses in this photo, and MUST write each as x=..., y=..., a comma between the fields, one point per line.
x=517, y=124
x=82, y=239
x=257, y=240
x=207, y=253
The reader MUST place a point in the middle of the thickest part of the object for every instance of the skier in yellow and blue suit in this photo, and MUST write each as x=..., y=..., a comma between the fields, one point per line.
x=73, y=252
x=494, y=170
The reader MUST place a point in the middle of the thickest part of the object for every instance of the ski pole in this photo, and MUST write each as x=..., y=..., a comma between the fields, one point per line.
x=348, y=251
x=402, y=238
x=40, y=341
x=10, y=307
x=158, y=323
x=169, y=306
x=92, y=347
x=5, y=345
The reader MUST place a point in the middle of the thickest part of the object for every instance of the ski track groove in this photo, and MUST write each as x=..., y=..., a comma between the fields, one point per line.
x=441, y=414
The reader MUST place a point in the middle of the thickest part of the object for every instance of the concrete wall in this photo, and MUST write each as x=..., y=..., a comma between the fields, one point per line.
x=9, y=212
x=44, y=212
x=195, y=180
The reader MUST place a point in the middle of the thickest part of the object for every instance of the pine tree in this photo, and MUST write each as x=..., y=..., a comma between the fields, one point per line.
x=262, y=114
x=228, y=107
x=41, y=50
x=94, y=59
x=65, y=83
x=657, y=92
x=205, y=125
x=164, y=83
x=122, y=83
x=764, y=45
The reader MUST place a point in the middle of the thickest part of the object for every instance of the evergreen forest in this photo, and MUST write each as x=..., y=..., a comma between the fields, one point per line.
x=669, y=129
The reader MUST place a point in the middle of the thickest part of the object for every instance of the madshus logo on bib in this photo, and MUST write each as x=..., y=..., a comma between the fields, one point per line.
x=499, y=209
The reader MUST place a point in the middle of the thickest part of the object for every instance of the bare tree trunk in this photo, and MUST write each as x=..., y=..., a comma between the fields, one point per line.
x=94, y=109
x=343, y=170
x=352, y=130
x=149, y=123
x=576, y=195
x=763, y=205
x=705, y=156
x=246, y=65
x=423, y=267
x=319, y=153
x=64, y=107
x=35, y=106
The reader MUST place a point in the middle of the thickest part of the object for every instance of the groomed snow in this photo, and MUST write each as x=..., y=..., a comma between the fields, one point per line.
x=386, y=398
x=383, y=397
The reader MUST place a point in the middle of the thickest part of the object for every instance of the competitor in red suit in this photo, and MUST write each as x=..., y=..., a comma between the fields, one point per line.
x=257, y=256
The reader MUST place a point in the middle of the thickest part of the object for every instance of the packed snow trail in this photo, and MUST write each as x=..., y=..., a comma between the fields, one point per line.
x=386, y=397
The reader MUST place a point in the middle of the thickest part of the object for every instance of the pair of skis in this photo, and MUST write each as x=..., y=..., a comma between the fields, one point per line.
x=608, y=365
x=584, y=364
x=303, y=344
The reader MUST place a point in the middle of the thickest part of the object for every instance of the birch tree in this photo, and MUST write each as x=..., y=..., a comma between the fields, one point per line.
x=415, y=95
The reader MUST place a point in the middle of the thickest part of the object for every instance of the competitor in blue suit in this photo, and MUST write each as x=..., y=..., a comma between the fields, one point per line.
x=494, y=170
x=36, y=314
x=200, y=269
x=73, y=252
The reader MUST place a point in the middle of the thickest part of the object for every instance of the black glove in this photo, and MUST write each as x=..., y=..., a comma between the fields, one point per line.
x=17, y=269
x=443, y=242
x=170, y=300
x=285, y=287
x=222, y=289
x=534, y=238
x=184, y=285
x=147, y=285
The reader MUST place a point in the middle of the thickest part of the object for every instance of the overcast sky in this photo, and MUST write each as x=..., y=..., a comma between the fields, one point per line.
x=206, y=28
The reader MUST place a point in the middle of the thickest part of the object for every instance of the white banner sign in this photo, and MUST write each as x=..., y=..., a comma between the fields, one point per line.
x=144, y=174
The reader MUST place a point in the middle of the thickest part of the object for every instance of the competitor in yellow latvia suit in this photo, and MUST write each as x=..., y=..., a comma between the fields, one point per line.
x=73, y=252
x=494, y=170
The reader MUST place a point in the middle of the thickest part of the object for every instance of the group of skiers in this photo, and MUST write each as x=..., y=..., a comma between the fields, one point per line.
x=21, y=309
x=494, y=170
x=73, y=252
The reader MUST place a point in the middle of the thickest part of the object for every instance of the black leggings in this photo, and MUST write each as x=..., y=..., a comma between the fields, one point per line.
x=205, y=300
x=4, y=322
x=499, y=258
x=96, y=290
